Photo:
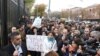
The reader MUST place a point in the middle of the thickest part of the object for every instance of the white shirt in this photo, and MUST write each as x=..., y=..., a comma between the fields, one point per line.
x=19, y=49
x=49, y=46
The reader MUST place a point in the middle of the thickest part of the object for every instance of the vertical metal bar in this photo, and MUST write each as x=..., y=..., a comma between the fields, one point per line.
x=49, y=9
x=24, y=7
x=18, y=12
x=49, y=6
x=0, y=24
x=4, y=22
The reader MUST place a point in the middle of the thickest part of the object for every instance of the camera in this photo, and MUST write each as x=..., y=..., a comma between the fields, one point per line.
x=66, y=43
x=91, y=46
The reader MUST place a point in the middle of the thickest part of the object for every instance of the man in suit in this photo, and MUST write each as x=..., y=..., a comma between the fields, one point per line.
x=16, y=47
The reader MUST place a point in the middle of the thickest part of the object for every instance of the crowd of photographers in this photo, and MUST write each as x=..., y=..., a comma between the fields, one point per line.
x=72, y=38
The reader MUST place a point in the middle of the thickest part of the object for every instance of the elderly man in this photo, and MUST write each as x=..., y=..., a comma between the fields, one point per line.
x=95, y=34
x=94, y=40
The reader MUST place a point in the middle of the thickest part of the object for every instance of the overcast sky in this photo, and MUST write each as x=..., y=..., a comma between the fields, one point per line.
x=58, y=5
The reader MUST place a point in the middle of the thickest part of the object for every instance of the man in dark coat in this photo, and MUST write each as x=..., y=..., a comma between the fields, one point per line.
x=16, y=47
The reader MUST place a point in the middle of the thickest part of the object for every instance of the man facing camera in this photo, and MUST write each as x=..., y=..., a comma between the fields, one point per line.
x=16, y=47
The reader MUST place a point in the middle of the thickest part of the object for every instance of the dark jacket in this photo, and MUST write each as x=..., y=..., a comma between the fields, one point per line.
x=3, y=53
x=60, y=43
x=10, y=49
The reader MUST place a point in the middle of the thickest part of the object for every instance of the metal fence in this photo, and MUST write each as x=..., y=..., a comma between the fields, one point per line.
x=0, y=23
x=15, y=11
x=10, y=12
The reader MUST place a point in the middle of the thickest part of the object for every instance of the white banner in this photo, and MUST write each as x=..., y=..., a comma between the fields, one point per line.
x=37, y=22
x=35, y=42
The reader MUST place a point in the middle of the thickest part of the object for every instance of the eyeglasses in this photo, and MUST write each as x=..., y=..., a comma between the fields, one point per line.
x=86, y=31
x=92, y=36
x=18, y=39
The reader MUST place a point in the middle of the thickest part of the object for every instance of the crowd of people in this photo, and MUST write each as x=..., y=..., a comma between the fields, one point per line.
x=64, y=38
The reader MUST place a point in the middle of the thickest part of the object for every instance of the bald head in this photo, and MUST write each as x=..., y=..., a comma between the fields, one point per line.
x=95, y=34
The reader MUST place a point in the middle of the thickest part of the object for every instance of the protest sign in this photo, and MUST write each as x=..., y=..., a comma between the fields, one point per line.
x=35, y=42
x=37, y=22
